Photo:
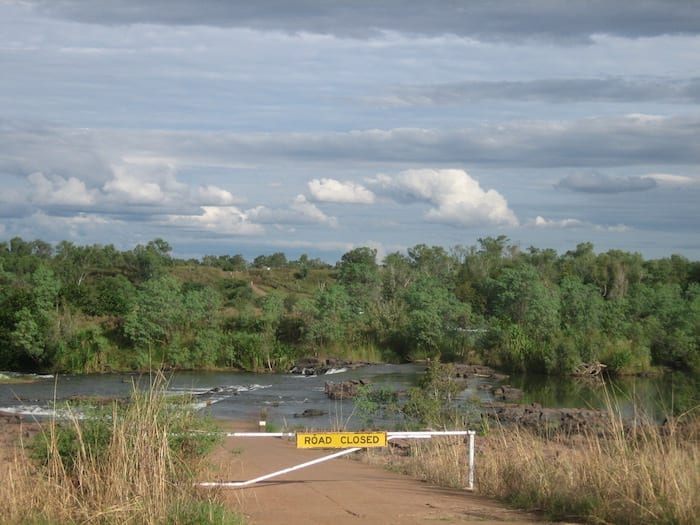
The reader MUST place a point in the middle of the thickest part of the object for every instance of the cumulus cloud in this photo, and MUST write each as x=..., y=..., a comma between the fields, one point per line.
x=155, y=182
x=458, y=199
x=213, y=195
x=299, y=211
x=541, y=222
x=78, y=227
x=133, y=188
x=227, y=220
x=601, y=183
x=57, y=190
x=331, y=190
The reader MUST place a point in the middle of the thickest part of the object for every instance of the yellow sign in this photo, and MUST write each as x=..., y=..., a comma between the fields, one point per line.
x=341, y=439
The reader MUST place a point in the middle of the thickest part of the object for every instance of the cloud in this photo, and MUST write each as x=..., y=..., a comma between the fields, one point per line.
x=106, y=157
x=511, y=19
x=132, y=188
x=213, y=195
x=299, y=211
x=600, y=183
x=227, y=220
x=668, y=179
x=457, y=198
x=57, y=190
x=552, y=90
x=81, y=226
x=541, y=222
x=564, y=224
x=331, y=190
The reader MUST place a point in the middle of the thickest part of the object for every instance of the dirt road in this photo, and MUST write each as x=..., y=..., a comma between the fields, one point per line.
x=337, y=492
x=340, y=491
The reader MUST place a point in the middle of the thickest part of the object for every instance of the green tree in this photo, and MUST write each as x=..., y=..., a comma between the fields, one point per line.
x=520, y=297
x=156, y=313
x=332, y=313
x=435, y=318
x=432, y=403
x=273, y=311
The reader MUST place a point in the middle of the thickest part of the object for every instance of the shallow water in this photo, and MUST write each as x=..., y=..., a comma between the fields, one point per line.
x=225, y=395
x=283, y=397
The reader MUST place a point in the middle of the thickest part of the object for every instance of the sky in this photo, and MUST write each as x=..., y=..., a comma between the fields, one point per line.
x=317, y=127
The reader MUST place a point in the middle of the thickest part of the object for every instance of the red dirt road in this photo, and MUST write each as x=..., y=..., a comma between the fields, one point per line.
x=340, y=491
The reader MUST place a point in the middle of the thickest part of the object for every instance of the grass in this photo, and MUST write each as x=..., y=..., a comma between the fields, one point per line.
x=135, y=465
x=642, y=475
x=628, y=475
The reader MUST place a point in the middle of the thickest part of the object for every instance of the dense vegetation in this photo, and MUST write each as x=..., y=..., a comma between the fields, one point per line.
x=95, y=308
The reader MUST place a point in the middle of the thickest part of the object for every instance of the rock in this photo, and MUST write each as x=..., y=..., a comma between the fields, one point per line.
x=316, y=366
x=344, y=389
x=311, y=412
x=507, y=393
x=466, y=371
x=566, y=421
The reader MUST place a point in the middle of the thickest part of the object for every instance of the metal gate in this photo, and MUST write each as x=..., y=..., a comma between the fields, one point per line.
x=351, y=438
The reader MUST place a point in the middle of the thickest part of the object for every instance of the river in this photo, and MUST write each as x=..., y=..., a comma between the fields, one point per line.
x=285, y=397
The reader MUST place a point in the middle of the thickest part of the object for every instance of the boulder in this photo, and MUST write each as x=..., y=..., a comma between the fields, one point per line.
x=311, y=412
x=507, y=393
x=344, y=389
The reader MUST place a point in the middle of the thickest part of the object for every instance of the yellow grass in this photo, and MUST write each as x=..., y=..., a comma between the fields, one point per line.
x=641, y=475
x=138, y=479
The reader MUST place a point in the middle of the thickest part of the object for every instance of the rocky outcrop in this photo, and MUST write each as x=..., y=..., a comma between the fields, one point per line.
x=550, y=420
x=507, y=393
x=344, y=389
x=316, y=366
x=465, y=371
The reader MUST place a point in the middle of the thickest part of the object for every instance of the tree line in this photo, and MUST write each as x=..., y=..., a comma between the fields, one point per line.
x=98, y=309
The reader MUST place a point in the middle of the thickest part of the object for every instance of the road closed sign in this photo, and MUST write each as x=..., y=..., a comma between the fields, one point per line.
x=341, y=439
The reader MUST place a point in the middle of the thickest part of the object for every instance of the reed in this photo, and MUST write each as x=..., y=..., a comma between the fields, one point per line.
x=141, y=471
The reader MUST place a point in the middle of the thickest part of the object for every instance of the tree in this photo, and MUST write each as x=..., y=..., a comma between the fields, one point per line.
x=358, y=272
x=520, y=297
x=276, y=260
x=433, y=261
x=156, y=313
x=396, y=276
x=581, y=309
x=272, y=314
x=148, y=262
x=435, y=318
x=332, y=314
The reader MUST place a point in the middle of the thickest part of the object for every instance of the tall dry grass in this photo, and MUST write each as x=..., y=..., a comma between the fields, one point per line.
x=627, y=475
x=138, y=477
x=646, y=475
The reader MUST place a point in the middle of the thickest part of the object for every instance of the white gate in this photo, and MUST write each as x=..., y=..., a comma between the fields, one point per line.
x=426, y=434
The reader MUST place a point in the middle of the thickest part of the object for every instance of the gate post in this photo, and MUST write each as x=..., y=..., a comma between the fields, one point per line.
x=472, y=433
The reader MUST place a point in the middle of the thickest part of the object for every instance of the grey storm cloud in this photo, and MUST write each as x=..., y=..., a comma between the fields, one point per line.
x=601, y=183
x=510, y=19
x=619, y=90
